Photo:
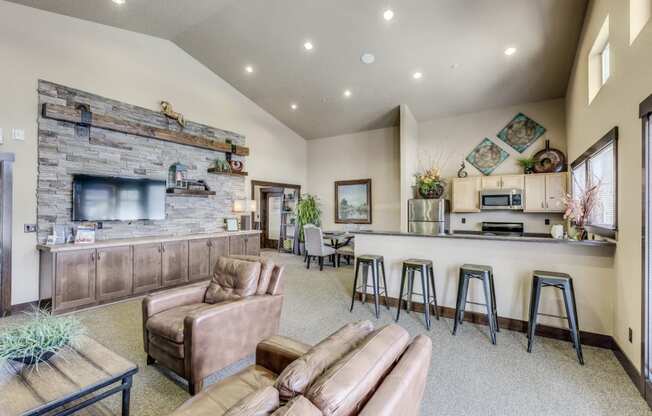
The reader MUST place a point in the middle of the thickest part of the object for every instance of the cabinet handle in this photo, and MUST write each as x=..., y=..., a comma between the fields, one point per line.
x=542, y=204
x=99, y=256
x=163, y=249
x=209, y=243
x=160, y=249
x=93, y=256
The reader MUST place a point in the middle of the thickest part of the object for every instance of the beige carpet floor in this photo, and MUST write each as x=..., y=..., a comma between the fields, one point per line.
x=468, y=375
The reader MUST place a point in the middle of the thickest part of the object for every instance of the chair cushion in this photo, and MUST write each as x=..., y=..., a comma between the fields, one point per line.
x=297, y=376
x=169, y=324
x=217, y=399
x=345, y=387
x=261, y=402
x=299, y=406
x=233, y=279
x=267, y=266
x=170, y=347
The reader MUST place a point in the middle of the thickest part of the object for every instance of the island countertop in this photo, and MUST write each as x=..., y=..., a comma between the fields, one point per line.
x=473, y=235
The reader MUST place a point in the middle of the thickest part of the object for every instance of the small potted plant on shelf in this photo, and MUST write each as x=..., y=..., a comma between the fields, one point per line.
x=527, y=163
x=579, y=209
x=430, y=184
x=307, y=212
x=40, y=338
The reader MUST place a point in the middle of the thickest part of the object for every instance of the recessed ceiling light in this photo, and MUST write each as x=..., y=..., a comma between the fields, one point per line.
x=388, y=15
x=368, y=58
x=308, y=45
x=347, y=93
x=249, y=69
x=119, y=1
x=417, y=75
x=294, y=106
x=510, y=51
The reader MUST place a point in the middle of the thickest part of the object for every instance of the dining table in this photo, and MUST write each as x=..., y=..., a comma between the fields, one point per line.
x=338, y=239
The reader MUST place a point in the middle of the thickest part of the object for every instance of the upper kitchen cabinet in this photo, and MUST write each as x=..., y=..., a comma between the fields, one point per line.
x=545, y=193
x=502, y=182
x=466, y=194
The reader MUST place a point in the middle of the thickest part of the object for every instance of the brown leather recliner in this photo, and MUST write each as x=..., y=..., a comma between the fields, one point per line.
x=202, y=328
x=355, y=371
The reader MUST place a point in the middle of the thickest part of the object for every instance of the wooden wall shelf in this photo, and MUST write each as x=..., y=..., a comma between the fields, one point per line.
x=73, y=115
x=188, y=192
x=214, y=171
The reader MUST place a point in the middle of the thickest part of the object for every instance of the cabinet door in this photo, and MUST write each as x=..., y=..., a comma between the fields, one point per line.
x=175, y=263
x=555, y=192
x=74, y=279
x=491, y=182
x=147, y=267
x=219, y=247
x=199, y=259
x=535, y=193
x=466, y=197
x=513, y=181
x=237, y=245
x=253, y=245
x=114, y=273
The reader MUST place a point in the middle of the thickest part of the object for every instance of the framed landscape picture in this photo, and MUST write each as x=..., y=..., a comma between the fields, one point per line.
x=353, y=202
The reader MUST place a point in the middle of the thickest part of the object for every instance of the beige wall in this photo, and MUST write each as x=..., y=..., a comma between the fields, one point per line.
x=409, y=131
x=371, y=154
x=129, y=67
x=617, y=105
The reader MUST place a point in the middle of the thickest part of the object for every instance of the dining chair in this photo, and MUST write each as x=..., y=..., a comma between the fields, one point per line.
x=315, y=247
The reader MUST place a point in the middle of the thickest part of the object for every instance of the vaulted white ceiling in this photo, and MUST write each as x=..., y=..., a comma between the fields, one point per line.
x=457, y=45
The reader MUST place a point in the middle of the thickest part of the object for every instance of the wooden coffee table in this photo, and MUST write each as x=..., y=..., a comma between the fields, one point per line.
x=70, y=381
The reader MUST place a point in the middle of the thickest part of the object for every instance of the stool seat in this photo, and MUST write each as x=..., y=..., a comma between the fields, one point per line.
x=370, y=257
x=417, y=262
x=554, y=275
x=477, y=268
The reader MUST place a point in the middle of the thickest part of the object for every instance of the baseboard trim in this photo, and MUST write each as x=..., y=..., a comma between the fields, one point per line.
x=24, y=307
x=630, y=369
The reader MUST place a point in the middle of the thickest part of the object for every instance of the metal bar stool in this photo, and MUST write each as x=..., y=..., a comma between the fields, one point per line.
x=486, y=275
x=376, y=264
x=426, y=269
x=563, y=282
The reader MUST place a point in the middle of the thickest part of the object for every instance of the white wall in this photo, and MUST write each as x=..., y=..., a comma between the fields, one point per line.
x=617, y=104
x=125, y=66
x=409, y=131
x=371, y=154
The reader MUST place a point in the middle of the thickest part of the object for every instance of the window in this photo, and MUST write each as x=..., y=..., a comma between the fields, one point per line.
x=639, y=15
x=600, y=58
x=605, y=64
x=599, y=166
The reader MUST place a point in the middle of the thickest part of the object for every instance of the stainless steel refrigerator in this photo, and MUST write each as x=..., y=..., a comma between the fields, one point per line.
x=428, y=216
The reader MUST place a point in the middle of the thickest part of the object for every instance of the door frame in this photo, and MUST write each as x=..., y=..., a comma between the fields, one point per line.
x=645, y=386
x=265, y=193
x=6, y=201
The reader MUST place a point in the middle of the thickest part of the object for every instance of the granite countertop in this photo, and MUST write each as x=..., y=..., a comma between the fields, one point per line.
x=476, y=235
x=139, y=240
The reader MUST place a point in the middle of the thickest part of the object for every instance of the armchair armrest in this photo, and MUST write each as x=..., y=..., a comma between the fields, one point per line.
x=172, y=298
x=219, y=336
x=278, y=352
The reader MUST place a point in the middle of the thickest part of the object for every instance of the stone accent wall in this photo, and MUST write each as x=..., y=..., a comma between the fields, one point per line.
x=65, y=149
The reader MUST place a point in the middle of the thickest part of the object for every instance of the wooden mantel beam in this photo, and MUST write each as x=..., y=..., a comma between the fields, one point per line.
x=73, y=115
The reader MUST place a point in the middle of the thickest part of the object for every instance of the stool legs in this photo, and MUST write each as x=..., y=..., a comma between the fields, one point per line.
x=490, y=309
x=434, y=291
x=493, y=301
x=374, y=278
x=571, y=312
x=355, y=284
x=490, y=300
x=376, y=267
x=400, y=294
x=459, y=304
x=534, y=307
x=426, y=294
x=382, y=266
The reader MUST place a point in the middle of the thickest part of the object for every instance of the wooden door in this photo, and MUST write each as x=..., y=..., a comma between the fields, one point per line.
x=175, y=263
x=491, y=182
x=237, y=245
x=147, y=267
x=252, y=245
x=75, y=279
x=555, y=192
x=218, y=247
x=513, y=181
x=271, y=216
x=199, y=259
x=114, y=273
x=535, y=193
x=466, y=197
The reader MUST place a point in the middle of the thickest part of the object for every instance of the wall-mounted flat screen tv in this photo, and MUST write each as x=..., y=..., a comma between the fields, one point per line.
x=101, y=198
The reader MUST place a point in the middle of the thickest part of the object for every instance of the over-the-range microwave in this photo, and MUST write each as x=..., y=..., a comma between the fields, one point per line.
x=505, y=199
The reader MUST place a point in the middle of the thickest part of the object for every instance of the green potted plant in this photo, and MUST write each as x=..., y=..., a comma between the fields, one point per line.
x=430, y=185
x=40, y=338
x=527, y=163
x=307, y=212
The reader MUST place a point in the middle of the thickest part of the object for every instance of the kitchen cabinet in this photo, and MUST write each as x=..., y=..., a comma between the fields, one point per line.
x=252, y=245
x=147, y=267
x=114, y=273
x=218, y=247
x=502, y=182
x=75, y=279
x=199, y=260
x=466, y=194
x=175, y=263
x=545, y=192
x=237, y=245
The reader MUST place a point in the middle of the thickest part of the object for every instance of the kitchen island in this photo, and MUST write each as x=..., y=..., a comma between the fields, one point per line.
x=513, y=258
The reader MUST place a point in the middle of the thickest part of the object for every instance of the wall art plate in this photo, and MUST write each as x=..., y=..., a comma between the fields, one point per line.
x=521, y=132
x=487, y=156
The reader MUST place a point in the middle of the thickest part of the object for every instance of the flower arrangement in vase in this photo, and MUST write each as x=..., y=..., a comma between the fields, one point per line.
x=579, y=210
x=430, y=184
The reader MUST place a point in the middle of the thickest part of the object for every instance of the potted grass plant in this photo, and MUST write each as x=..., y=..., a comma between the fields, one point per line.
x=307, y=212
x=40, y=338
x=527, y=163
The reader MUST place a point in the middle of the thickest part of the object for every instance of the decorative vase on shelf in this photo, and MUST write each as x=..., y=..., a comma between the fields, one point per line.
x=434, y=191
x=577, y=232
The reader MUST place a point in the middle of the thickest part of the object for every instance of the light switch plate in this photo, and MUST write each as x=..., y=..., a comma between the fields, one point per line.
x=18, y=134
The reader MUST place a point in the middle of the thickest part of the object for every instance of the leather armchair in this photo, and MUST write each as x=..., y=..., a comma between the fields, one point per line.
x=194, y=338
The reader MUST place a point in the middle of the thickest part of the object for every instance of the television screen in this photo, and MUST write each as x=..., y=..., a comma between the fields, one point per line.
x=98, y=198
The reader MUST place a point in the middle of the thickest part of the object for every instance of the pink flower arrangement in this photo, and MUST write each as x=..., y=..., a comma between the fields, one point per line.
x=580, y=208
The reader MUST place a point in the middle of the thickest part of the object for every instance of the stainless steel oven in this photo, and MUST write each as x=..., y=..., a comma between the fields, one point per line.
x=509, y=199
